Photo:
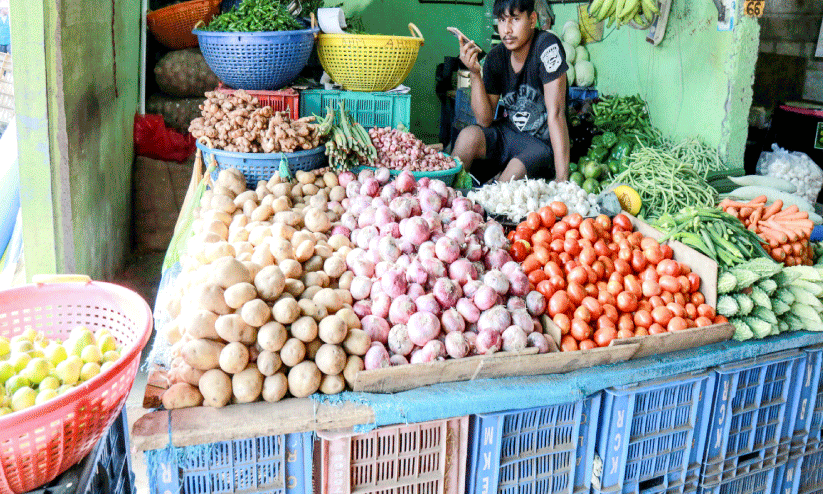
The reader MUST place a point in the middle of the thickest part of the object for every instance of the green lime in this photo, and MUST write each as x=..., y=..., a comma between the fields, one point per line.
x=577, y=178
x=591, y=170
x=573, y=167
x=591, y=186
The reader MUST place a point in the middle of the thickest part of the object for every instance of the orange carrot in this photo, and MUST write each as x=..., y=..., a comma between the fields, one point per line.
x=727, y=203
x=772, y=236
x=734, y=212
x=759, y=200
x=797, y=248
x=788, y=210
x=778, y=254
x=791, y=233
x=774, y=208
x=756, y=214
x=800, y=215
x=745, y=212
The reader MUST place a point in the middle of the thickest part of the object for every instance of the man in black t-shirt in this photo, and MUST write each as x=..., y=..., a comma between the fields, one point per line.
x=526, y=75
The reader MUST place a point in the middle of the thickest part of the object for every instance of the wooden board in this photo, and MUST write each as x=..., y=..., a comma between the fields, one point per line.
x=402, y=378
x=156, y=384
x=681, y=340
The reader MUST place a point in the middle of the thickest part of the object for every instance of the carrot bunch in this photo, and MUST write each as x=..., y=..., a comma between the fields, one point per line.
x=785, y=232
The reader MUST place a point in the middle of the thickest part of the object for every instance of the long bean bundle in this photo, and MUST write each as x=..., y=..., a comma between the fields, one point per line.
x=665, y=183
x=702, y=158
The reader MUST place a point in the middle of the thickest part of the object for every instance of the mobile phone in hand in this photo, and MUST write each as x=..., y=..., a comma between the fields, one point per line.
x=462, y=37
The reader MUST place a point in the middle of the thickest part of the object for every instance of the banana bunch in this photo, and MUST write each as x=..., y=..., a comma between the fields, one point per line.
x=642, y=12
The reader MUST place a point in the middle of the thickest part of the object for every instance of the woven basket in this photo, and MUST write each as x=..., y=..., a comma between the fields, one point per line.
x=363, y=62
x=172, y=25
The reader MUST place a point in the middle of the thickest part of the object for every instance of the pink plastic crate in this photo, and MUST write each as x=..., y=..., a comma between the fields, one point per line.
x=425, y=458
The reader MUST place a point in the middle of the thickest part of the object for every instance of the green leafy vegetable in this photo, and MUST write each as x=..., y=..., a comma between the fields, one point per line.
x=255, y=16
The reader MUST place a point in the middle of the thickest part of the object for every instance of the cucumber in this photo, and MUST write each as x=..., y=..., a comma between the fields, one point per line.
x=760, y=180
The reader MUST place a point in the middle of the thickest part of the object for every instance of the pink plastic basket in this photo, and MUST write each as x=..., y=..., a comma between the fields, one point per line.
x=425, y=458
x=39, y=443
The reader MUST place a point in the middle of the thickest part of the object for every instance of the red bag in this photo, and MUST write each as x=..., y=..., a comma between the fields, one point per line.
x=153, y=139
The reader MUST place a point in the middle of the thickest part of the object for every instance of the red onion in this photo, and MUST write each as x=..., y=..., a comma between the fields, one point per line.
x=362, y=267
x=377, y=202
x=447, y=249
x=427, y=303
x=364, y=174
x=424, y=182
x=510, y=268
x=362, y=308
x=407, y=247
x=360, y=287
x=402, y=262
x=514, y=339
x=343, y=178
x=515, y=303
x=522, y=319
x=417, y=357
x=457, y=235
x=478, y=208
x=376, y=289
x=435, y=268
x=376, y=327
x=497, y=258
x=539, y=341
x=471, y=287
x=536, y=303
x=519, y=284
x=376, y=357
x=433, y=220
x=383, y=175
x=423, y=327
x=399, y=342
x=383, y=216
x=488, y=342
x=396, y=360
x=468, y=221
x=429, y=200
x=468, y=310
x=389, y=251
x=417, y=230
x=451, y=320
x=365, y=235
x=415, y=273
x=389, y=192
x=447, y=292
x=462, y=271
x=461, y=205
x=456, y=345
x=497, y=281
x=415, y=290
x=494, y=237
x=432, y=350
x=426, y=250
x=485, y=297
x=402, y=207
x=401, y=309
x=405, y=182
x=390, y=230
x=370, y=187
x=353, y=188
x=496, y=319
x=394, y=283
x=471, y=339
x=349, y=221
x=342, y=230
x=380, y=305
x=473, y=251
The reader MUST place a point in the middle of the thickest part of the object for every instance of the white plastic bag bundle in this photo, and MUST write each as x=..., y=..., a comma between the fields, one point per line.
x=796, y=167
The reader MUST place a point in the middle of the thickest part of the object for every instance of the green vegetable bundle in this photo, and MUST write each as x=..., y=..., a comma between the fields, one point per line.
x=255, y=16
x=622, y=113
x=349, y=144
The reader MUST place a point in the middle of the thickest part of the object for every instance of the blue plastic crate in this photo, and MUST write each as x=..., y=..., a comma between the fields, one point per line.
x=106, y=470
x=757, y=483
x=463, y=112
x=809, y=417
x=802, y=474
x=536, y=451
x=652, y=435
x=280, y=464
x=373, y=109
x=582, y=93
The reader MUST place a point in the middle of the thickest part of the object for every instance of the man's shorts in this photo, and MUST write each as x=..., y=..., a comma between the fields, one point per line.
x=503, y=144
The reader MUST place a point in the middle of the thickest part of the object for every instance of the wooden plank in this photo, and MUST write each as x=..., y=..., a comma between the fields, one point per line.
x=681, y=340
x=156, y=384
x=203, y=425
x=402, y=378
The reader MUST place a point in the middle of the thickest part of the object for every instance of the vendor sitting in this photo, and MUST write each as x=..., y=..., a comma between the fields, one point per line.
x=529, y=70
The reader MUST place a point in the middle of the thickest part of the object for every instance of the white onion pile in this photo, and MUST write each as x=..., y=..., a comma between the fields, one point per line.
x=517, y=198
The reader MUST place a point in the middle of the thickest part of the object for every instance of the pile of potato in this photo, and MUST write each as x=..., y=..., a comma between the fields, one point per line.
x=238, y=123
x=262, y=306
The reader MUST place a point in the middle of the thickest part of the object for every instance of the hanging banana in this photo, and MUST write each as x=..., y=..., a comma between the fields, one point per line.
x=642, y=12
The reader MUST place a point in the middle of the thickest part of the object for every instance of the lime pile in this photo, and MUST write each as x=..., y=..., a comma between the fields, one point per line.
x=34, y=369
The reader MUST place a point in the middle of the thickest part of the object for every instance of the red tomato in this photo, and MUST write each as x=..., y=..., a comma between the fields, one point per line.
x=617, y=277
x=668, y=267
x=591, y=289
x=705, y=310
x=626, y=301
x=563, y=322
x=667, y=251
x=519, y=251
x=583, y=313
x=669, y=283
x=594, y=306
x=587, y=256
x=547, y=217
x=537, y=276
x=720, y=319
x=638, y=261
x=625, y=333
x=667, y=297
x=634, y=239
x=568, y=344
x=604, y=336
x=601, y=248
x=564, y=258
x=694, y=280
x=648, y=243
x=644, y=304
x=633, y=285
x=614, y=287
x=691, y=310
x=587, y=229
x=622, y=221
x=558, y=282
x=656, y=301
x=580, y=330
x=653, y=255
x=524, y=231
x=592, y=276
x=677, y=309
x=679, y=298
x=676, y=324
x=604, y=221
x=702, y=321
x=599, y=270
x=559, y=302
x=560, y=228
x=558, y=208
x=542, y=236
x=576, y=293
x=649, y=274
x=657, y=329
x=650, y=288
x=572, y=246
x=625, y=322
x=574, y=220
x=605, y=297
x=625, y=254
x=546, y=289
x=510, y=236
x=662, y=315
x=533, y=221
x=556, y=245
x=685, y=284
x=531, y=263
x=552, y=269
x=587, y=345
x=610, y=311
x=578, y=275
x=622, y=267
x=643, y=319
x=569, y=266
x=605, y=322
x=574, y=234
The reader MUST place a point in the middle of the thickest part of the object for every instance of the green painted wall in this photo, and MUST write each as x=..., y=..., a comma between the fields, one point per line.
x=76, y=147
x=698, y=81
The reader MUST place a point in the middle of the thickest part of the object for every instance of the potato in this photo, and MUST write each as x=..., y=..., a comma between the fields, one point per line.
x=343, y=251
x=222, y=190
x=324, y=251
x=337, y=193
x=331, y=385
x=234, y=358
x=353, y=365
x=297, y=191
x=231, y=327
x=221, y=216
x=181, y=395
x=329, y=299
x=304, y=250
x=332, y=330
x=174, y=304
x=304, y=379
x=349, y=317
x=262, y=212
x=291, y=268
x=281, y=204
x=291, y=218
x=310, y=309
x=316, y=220
x=210, y=297
x=247, y=385
x=232, y=179
x=344, y=296
x=259, y=234
x=239, y=294
x=275, y=387
x=268, y=363
x=269, y=282
x=282, y=189
x=330, y=359
x=249, y=206
x=281, y=249
x=294, y=287
x=172, y=332
x=312, y=347
x=310, y=292
x=315, y=278
x=271, y=336
x=255, y=313
x=315, y=263
x=262, y=255
x=319, y=201
x=189, y=374
x=228, y=271
x=243, y=247
x=215, y=386
x=200, y=323
x=345, y=280
x=243, y=197
x=202, y=354
x=286, y=310
x=222, y=203
x=334, y=267
x=304, y=329
x=293, y=352
x=330, y=179
x=357, y=342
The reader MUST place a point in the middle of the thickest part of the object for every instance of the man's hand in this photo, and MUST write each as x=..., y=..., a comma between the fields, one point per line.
x=469, y=53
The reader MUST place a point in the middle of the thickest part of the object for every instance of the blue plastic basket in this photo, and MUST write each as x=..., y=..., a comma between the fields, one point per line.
x=280, y=464
x=752, y=417
x=367, y=109
x=652, y=435
x=261, y=166
x=106, y=470
x=540, y=450
x=808, y=424
x=756, y=483
x=256, y=61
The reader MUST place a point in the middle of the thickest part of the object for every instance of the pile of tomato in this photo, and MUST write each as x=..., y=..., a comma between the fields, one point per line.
x=603, y=280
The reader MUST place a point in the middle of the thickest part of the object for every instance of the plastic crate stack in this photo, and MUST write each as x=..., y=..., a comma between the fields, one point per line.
x=369, y=109
x=106, y=470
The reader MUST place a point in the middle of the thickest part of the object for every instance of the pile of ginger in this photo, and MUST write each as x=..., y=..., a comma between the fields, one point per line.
x=238, y=123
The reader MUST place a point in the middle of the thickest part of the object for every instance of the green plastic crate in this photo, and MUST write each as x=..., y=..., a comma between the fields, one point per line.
x=368, y=109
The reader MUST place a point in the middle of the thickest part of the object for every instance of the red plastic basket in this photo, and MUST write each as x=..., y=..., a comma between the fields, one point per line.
x=278, y=100
x=424, y=458
x=39, y=443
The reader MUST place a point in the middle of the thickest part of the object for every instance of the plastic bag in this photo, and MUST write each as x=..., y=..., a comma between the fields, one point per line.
x=153, y=139
x=796, y=167
x=184, y=73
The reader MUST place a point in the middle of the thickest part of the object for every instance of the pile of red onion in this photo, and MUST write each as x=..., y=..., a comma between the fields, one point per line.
x=400, y=150
x=432, y=279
